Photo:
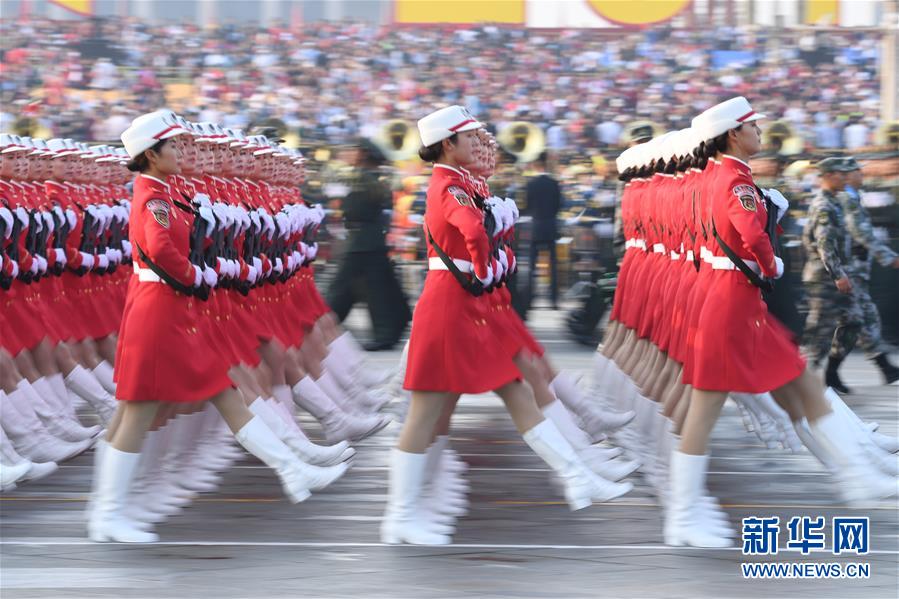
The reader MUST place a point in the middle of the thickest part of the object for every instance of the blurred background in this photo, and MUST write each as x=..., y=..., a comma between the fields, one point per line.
x=576, y=79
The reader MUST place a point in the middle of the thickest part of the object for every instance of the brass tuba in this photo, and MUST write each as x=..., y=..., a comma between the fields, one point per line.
x=523, y=140
x=888, y=135
x=398, y=139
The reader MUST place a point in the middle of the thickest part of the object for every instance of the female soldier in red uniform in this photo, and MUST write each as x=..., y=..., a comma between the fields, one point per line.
x=161, y=357
x=739, y=347
x=452, y=350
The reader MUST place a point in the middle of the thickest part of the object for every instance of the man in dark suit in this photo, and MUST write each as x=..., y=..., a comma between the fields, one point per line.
x=366, y=272
x=543, y=197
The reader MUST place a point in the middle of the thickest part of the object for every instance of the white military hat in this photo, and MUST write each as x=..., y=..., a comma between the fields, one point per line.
x=10, y=142
x=446, y=122
x=61, y=147
x=149, y=129
x=725, y=116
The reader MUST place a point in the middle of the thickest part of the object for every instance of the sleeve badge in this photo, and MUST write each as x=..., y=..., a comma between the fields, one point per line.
x=160, y=210
x=746, y=195
x=460, y=195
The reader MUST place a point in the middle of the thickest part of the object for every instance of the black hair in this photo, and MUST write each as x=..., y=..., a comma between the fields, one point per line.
x=719, y=144
x=433, y=152
x=542, y=158
x=141, y=163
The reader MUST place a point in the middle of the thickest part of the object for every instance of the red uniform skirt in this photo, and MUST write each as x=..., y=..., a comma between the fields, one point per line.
x=739, y=346
x=623, y=282
x=162, y=354
x=453, y=345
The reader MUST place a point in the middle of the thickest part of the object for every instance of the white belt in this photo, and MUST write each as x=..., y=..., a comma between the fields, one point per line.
x=675, y=255
x=705, y=254
x=145, y=275
x=724, y=263
x=690, y=256
x=641, y=243
x=658, y=248
x=463, y=265
x=630, y=243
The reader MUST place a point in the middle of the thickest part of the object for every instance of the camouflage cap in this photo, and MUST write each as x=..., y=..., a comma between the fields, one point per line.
x=831, y=164
x=850, y=164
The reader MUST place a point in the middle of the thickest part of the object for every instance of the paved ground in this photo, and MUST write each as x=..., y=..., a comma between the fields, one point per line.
x=519, y=540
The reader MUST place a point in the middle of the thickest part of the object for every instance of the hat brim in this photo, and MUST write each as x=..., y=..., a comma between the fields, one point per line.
x=175, y=131
x=12, y=149
x=754, y=117
x=470, y=127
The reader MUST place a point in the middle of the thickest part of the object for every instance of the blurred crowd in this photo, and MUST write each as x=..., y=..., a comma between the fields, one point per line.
x=332, y=82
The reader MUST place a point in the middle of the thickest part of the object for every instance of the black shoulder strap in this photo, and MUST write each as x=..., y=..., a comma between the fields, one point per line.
x=167, y=278
x=755, y=279
x=471, y=285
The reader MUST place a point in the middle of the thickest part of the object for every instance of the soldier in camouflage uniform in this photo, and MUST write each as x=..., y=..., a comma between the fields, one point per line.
x=865, y=248
x=834, y=318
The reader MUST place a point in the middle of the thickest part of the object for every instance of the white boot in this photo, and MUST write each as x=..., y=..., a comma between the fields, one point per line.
x=814, y=448
x=56, y=421
x=83, y=383
x=860, y=482
x=442, y=500
x=582, y=487
x=583, y=445
x=104, y=374
x=402, y=521
x=684, y=522
x=886, y=443
x=349, y=351
x=107, y=522
x=12, y=473
x=297, y=478
x=595, y=419
x=30, y=437
x=336, y=424
x=282, y=402
x=346, y=378
x=299, y=444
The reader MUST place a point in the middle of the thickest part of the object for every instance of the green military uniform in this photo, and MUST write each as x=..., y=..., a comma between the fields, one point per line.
x=866, y=247
x=366, y=272
x=834, y=318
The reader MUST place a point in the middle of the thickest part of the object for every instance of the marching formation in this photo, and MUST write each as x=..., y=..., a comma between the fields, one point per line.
x=184, y=313
x=200, y=287
x=690, y=326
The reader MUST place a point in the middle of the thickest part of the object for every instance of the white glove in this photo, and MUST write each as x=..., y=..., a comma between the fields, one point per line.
x=207, y=215
x=252, y=273
x=7, y=217
x=43, y=263
x=57, y=210
x=60, y=255
x=500, y=269
x=102, y=261
x=514, y=265
x=35, y=266
x=489, y=277
x=209, y=276
x=126, y=248
x=23, y=216
x=779, y=264
x=778, y=199
x=71, y=217
x=87, y=260
x=202, y=199
x=48, y=220
x=198, y=275
x=312, y=252
x=257, y=264
x=15, y=269
x=279, y=266
x=504, y=260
